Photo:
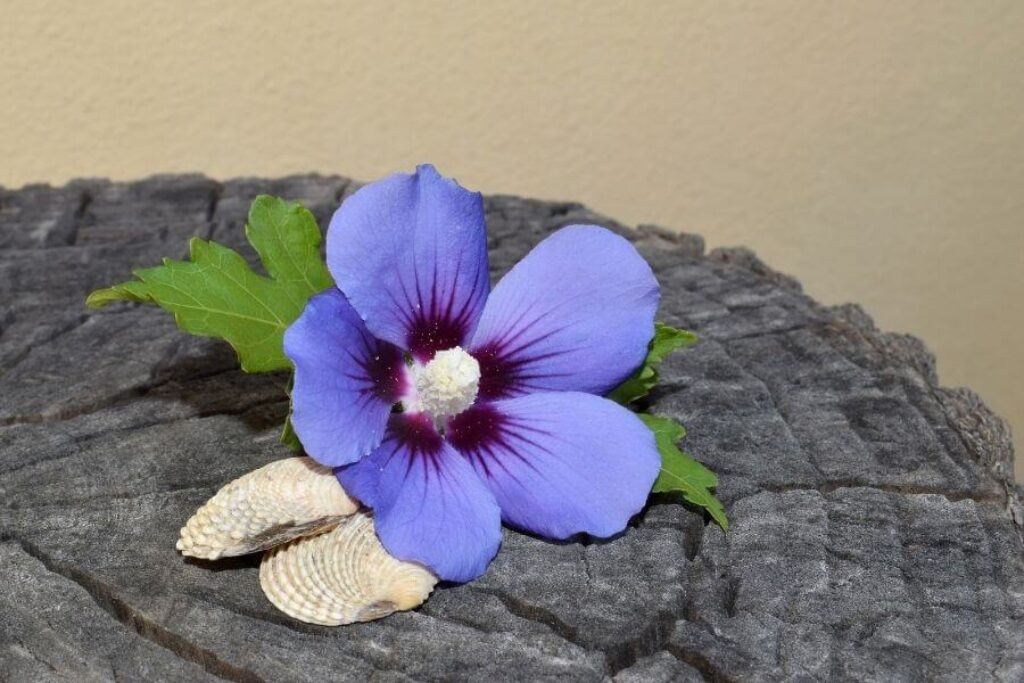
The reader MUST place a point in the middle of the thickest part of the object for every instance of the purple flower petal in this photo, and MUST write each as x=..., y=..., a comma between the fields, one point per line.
x=345, y=380
x=575, y=315
x=560, y=463
x=410, y=253
x=429, y=505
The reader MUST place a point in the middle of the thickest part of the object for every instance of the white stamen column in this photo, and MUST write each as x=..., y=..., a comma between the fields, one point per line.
x=448, y=384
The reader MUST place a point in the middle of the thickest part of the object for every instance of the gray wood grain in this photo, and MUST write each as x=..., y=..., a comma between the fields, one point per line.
x=876, y=533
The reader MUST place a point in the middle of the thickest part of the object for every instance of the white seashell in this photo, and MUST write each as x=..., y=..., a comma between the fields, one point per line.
x=272, y=505
x=342, y=576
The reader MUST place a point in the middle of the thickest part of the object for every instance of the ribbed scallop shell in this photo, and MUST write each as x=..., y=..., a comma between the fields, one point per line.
x=269, y=506
x=342, y=576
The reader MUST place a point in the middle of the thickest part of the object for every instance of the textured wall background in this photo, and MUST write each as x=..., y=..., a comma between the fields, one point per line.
x=874, y=149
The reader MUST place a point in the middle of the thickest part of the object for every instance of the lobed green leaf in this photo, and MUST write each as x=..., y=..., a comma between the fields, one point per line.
x=287, y=239
x=666, y=340
x=681, y=473
x=216, y=294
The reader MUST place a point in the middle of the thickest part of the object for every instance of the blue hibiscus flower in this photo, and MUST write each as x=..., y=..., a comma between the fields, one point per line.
x=448, y=408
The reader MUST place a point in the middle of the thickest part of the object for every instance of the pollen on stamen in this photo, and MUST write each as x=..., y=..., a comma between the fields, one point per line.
x=448, y=384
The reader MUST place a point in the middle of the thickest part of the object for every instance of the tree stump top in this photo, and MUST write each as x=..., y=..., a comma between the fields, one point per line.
x=877, y=534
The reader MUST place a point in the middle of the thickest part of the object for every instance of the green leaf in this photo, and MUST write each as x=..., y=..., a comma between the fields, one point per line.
x=680, y=472
x=287, y=238
x=666, y=340
x=127, y=291
x=217, y=294
x=288, y=436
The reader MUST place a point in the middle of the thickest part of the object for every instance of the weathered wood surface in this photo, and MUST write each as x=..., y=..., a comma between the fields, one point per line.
x=876, y=533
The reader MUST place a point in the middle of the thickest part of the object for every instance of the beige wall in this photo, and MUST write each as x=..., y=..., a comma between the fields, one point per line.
x=874, y=149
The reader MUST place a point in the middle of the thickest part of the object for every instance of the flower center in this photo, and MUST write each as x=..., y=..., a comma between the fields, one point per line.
x=447, y=385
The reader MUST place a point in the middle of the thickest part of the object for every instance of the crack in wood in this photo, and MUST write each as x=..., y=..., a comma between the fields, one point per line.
x=105, y=597
x=698, y=661
x=536, y=614
x=832, y=486
x=62, y=330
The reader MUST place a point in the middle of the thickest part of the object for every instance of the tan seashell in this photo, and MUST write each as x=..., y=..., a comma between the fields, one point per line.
x=269, y=506
x=342, y=576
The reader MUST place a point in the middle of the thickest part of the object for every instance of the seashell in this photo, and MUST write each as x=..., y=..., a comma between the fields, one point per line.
x=272, y=505
x=342, y=576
